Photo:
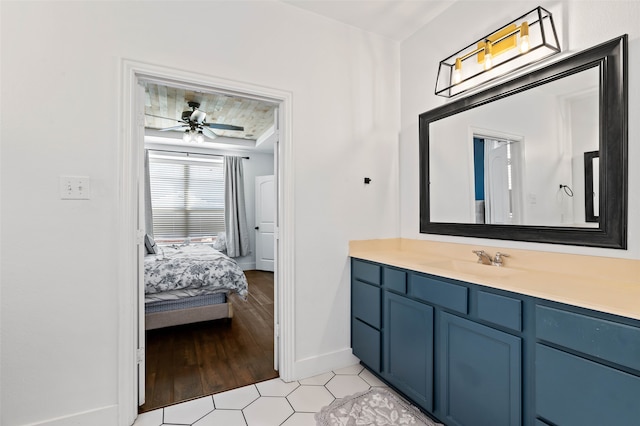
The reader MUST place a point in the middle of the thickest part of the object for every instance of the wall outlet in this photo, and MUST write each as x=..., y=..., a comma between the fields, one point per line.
x=75, y=187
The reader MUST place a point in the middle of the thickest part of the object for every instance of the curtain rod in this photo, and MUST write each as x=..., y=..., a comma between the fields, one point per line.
x=188, y=153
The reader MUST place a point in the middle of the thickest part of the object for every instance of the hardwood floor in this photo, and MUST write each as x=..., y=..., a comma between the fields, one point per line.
x=195, y=360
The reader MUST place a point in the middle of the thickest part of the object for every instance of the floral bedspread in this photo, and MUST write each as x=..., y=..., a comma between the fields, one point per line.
x=198, y=269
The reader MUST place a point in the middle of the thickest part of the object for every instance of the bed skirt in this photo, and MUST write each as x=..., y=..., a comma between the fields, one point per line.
x=179, y=312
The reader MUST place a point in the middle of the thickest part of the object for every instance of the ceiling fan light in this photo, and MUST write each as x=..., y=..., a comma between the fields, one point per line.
x=186, y=137
x=199, y=137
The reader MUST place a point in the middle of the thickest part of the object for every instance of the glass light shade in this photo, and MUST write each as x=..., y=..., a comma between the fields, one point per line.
x=488, y=56
x=524, y=44
x=457, y=72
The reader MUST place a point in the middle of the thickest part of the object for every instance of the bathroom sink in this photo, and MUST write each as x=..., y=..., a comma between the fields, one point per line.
x=473, y=268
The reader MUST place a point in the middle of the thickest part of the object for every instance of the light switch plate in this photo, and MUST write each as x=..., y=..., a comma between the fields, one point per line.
x=75, y=187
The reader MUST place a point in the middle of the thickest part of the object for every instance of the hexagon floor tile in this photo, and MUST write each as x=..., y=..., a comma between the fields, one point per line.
x=270, y=403
x=343, y=385
x=276, y=387
x=268, y=411
x=237, y=398
x=320, y=379
x=300, y=419
x=188, y=412
x=310, y=399
x=352, y=369
x=371, y=379
x=222, y=417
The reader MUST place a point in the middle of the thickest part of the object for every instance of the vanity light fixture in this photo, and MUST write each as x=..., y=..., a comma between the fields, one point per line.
x=526, y=40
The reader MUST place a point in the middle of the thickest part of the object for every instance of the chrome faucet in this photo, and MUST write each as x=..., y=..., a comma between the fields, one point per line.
x=497, y=259
x=483, y=257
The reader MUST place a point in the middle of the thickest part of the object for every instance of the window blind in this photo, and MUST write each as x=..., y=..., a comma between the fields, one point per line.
x=187, y=197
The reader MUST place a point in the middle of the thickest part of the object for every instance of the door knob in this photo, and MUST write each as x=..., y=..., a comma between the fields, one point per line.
x=256, y=228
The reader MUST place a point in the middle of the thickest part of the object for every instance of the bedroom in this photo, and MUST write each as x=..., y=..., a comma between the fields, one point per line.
x=208, y=298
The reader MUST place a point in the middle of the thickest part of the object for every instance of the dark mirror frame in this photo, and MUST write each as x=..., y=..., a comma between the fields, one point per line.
x=611, y=58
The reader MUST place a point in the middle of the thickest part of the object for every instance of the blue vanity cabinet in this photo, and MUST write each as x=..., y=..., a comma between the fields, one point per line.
x=480, y=374
x=366, y=304
x=408, y=347
x=472, y=355
x=587, y=368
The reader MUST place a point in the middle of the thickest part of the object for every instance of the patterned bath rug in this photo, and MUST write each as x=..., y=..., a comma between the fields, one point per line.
x=375, y=407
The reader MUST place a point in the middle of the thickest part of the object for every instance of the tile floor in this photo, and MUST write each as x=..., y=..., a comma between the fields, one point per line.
x=270, y=403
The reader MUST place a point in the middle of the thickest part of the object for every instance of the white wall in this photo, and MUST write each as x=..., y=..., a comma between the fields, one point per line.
x=60, y=104
x=581, y=24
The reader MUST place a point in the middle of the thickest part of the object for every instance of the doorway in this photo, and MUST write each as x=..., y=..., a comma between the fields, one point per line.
x=131, y=232
x=497, y=178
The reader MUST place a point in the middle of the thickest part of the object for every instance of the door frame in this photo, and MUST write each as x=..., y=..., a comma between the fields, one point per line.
x=130, y=153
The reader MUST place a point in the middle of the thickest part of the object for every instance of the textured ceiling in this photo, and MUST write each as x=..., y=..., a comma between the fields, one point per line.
x=255, y=116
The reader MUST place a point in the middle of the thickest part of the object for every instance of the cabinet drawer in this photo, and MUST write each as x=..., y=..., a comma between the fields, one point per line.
x=608, y=340
x=573, y=391
x=448, y=295
x=365, y=303
x=395, y=280
x=365, y=271
x=500, y=310
x=365, y=342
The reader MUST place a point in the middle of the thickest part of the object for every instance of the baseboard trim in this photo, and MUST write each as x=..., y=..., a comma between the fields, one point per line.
x=105, y=416
x=247, y=266
x=312, y=366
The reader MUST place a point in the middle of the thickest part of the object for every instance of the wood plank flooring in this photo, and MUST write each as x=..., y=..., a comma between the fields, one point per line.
x=195, y=360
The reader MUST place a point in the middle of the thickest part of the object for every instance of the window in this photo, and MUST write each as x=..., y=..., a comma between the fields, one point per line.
x=187, y=195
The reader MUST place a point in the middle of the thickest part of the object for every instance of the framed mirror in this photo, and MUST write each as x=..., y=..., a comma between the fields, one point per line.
x=510, y=162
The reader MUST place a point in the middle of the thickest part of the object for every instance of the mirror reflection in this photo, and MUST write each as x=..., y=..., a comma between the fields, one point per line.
x=592, y=185
x=521, y=160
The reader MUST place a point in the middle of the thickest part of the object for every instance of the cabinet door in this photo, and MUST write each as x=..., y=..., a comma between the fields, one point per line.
x=480, y=374
x=573, y=391
x=408, y=348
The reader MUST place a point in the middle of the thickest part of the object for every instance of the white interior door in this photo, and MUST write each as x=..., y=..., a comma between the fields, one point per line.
x=497, y=183
x=265, y=222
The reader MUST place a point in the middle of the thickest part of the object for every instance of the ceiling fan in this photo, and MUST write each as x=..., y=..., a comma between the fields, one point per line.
x=195, y=126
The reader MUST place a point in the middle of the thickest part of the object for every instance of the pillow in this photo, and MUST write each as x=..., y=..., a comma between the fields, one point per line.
x=220, y=243
x=150, y=244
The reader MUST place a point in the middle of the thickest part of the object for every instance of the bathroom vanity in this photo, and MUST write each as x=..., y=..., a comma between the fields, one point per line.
x=480, y=345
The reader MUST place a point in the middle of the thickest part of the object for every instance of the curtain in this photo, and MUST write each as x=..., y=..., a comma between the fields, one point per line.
x=148, y=209
x=235, y=216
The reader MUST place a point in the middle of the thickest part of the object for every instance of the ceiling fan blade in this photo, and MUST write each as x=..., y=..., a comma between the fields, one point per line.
x=223, y=126
x=166, y=118
x=209, y=133
x=181, y=127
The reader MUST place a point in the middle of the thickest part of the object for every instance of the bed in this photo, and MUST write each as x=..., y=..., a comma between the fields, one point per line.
x=189, y=283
